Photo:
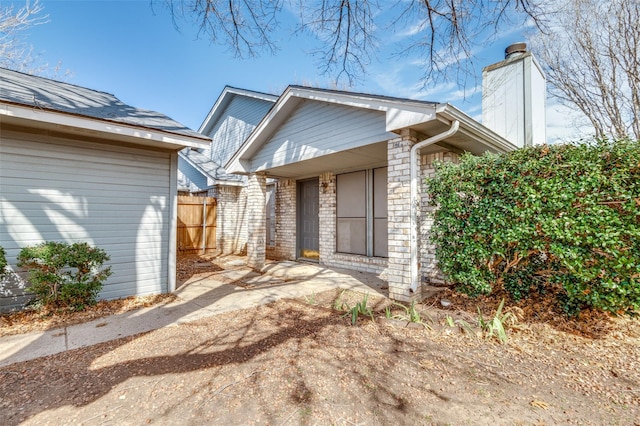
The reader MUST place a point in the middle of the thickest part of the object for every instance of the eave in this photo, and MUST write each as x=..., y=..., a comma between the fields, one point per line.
x=66, y=122
x=399, y=114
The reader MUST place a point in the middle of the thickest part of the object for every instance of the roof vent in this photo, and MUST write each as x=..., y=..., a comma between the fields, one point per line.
x=515, y=49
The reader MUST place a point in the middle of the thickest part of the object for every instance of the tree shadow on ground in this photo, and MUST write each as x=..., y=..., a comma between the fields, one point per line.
x=95, y=375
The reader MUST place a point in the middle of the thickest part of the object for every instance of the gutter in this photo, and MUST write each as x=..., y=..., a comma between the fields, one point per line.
x=415, y=201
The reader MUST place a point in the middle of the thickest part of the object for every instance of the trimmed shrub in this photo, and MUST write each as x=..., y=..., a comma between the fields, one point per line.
x=63, y=275
x=560, y=218
x=3, y=261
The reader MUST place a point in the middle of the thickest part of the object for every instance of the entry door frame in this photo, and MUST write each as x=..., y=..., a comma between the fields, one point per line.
x=302, y=252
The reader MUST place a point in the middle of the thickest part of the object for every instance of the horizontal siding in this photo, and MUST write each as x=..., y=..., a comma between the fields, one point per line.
x=58, y=147
x=190, y=177
x=114, y=197
x=318, y=128
x=66, y=170
x=241, y=116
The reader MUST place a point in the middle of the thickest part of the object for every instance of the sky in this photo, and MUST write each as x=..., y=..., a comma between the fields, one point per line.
x=132, y=49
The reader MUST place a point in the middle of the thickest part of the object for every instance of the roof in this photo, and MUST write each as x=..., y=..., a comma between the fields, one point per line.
x=228, y=93
x=42, y=99
x=203, y=161
x=208, y=167
x=425, y=118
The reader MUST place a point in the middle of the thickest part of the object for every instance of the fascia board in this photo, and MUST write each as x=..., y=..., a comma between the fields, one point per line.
x=405, y=117
x=239, y=162
x=225, y=99
x=114, y=130
x=399, y=114
x=475, y=129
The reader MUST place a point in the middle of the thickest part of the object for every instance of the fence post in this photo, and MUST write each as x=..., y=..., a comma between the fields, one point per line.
x=204, y=225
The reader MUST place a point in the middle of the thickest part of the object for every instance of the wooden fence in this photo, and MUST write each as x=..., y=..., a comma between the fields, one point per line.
x=196, y=224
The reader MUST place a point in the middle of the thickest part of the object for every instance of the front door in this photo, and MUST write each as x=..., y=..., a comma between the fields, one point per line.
x=308, y=219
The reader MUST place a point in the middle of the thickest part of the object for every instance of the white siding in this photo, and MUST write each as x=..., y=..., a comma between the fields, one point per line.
x=503, y=102
x=538, y=104
x=316, y=129
x=514, y=101
x=114, y=197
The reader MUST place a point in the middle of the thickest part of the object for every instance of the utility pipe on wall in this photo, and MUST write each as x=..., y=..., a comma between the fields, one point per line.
x=415, y=201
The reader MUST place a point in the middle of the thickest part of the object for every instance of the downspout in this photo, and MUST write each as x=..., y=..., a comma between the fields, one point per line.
x=415, y=201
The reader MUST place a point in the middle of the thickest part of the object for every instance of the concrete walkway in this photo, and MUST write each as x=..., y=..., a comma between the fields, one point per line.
x=235, y=287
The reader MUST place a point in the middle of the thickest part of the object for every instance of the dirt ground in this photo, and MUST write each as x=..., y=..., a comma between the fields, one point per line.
x=301, y=362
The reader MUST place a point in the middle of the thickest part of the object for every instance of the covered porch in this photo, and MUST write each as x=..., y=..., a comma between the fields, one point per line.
x=348, y=171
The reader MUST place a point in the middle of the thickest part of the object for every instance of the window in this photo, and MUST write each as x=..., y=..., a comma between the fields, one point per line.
x=362, y=212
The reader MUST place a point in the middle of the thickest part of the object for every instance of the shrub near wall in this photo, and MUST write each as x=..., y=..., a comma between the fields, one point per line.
x=563, y=219
x=63, y=275
x=3, y=261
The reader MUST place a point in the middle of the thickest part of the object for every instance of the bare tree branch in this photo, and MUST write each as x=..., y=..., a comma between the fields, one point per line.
x=14, y=52
x=244, y=26
x=345, y=29
x=451, y=30
x=348, y=30
x=591, y=59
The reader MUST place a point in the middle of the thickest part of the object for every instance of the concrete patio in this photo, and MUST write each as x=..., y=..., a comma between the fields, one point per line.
x=234, y=287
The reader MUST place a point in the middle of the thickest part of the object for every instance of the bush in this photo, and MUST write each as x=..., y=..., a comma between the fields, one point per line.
x=3, y=261
x=561, y=218
x=63, y=275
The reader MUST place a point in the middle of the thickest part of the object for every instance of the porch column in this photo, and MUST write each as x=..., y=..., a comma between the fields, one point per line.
x=327, y=218
x=398, y=198
x=256, y=220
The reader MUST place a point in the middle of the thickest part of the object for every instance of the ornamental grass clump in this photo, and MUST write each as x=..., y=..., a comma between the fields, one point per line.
x=562, y=219
x=63, y=275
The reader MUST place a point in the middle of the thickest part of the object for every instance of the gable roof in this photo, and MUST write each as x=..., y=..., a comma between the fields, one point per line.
x=425, y=118
x=204, y=161
x=225, y=98
x=49, y=102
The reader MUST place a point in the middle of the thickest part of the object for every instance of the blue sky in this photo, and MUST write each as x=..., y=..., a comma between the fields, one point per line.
x=134, y=51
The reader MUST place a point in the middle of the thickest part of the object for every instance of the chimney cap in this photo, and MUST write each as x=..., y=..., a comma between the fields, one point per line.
x=515, y=48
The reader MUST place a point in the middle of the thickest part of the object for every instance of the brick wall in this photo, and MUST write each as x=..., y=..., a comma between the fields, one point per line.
x=327, y=220
x=285, y=220
x=398, y=194
x=429, y=270
x=256, y=223
x=231, y=224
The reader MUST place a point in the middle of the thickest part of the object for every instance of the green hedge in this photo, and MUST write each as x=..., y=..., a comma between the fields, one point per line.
x=64, y=275
x=560, y=218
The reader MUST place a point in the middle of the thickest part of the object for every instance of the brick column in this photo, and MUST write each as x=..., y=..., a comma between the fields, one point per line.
x=398, y=193
x=231, y=229
x=286, y=219
x=327, y=217
x=256, y=220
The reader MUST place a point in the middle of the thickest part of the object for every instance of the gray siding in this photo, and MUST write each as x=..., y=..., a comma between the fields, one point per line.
x=114, y=197
x=189, y=177
x=241, y=116
x=316, y=129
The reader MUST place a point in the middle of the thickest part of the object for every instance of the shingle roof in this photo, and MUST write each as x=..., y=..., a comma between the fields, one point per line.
x=46, y=94
x=208, y=166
